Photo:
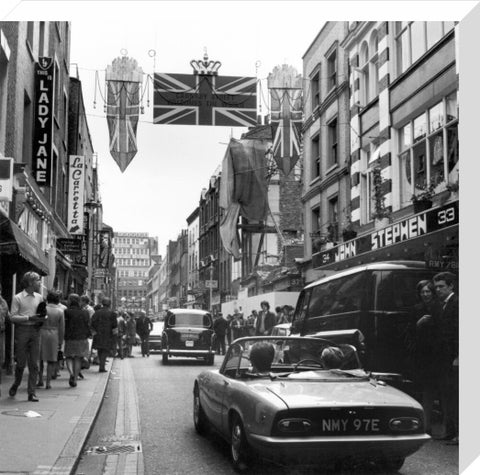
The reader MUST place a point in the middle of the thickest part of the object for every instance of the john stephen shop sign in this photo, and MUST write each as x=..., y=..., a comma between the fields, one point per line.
x=402, y=231
x=42, y=134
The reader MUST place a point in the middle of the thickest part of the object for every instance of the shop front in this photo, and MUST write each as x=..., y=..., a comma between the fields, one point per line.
x=431, y=236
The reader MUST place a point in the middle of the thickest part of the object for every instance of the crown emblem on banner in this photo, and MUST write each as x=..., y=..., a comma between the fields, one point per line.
x=205, y=67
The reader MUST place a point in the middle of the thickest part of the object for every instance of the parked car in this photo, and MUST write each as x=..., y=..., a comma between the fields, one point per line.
x=188, y=332
x=155, y=339
x=376, y=299
x=282, y=329
x=300, y=412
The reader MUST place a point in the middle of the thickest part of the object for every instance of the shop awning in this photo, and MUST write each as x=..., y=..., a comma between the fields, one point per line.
x=13, y=241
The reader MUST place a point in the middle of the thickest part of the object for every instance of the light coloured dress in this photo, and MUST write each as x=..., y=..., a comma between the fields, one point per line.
x=52, y=333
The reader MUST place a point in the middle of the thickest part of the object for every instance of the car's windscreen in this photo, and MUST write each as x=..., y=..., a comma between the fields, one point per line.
x=279, y=354
x=189, y=320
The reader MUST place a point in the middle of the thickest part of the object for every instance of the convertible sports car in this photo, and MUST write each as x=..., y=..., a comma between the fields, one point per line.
x=307, y=408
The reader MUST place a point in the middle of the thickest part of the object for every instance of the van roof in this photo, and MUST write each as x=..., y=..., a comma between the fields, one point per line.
x=385, y=265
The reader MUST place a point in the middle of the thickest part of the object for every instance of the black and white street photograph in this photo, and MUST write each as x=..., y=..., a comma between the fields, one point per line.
x=230, y=237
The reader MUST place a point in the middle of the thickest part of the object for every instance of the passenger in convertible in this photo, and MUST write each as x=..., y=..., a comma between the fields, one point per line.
x=261, y=357
x=332, y=357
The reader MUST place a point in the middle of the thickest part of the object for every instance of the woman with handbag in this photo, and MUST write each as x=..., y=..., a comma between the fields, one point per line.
x=77, y=332
x=51, y=336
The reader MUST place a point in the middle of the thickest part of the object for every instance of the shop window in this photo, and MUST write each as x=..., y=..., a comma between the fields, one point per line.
x=423, y=145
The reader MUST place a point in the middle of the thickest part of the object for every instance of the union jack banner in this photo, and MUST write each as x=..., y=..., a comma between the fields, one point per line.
x=286, y=122
x=123, y=80
x=204, y=99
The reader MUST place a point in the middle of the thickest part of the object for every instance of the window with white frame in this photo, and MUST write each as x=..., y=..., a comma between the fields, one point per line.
x=373, y=66
x=414, y=38
x=364, y=74
x=428, y=149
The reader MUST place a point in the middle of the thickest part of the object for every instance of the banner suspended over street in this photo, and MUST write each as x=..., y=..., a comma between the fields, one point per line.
x=124, y=84
x=285, y=86
x=204, y=98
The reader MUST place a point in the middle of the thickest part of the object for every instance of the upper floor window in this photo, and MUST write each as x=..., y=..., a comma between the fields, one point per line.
x=428, y=149
x=332, y=143
x=315, y=88
x=316, y=156
x=413, y=39
x=332, y=70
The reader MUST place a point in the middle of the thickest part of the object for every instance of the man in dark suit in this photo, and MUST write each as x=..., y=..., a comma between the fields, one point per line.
x=104, y=326
x=265, y=320
x=449, y=341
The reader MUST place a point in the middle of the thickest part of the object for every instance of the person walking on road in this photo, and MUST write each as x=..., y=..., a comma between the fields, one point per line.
x=237, y=324
x=77, y=332
x=51, y=336
x=131, y=333
x=121, y=330
x=27, y=332
x=144, y=327
x=220, y=326
x=104, y=329
x=265, y=320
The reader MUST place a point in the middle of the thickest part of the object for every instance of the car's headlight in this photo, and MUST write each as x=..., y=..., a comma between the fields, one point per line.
x=294, y=425
x=405, y=424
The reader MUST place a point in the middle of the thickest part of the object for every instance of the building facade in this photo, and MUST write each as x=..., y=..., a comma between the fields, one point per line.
x=132, y=253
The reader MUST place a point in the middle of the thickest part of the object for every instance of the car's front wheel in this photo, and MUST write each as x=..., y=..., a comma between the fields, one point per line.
x=199, y=418
x=165, y=358
x=392, y=465
x=239, y=448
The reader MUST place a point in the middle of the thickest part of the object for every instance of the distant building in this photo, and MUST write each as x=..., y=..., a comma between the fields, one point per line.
x=132, y=253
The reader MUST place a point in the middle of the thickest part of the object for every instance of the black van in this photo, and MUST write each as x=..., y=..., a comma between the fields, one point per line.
x=376, y=299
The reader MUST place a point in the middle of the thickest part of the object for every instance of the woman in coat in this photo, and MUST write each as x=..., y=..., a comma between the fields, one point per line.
x=131, y=333
x=77, y=332
x=51, y=335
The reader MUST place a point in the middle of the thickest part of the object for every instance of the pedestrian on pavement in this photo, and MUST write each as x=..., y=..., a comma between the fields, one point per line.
x=144, y=327
x=280, y=316
x=237, y=324
x=229, y=329
x=131, y=333
x=422, y=342
x=51, y=337
x=265, y=321
x=220, y=326
x=449, y=341
x=121, y=329
x=85, y=305
x=104, y=329
x=77, y=332
x=250, y=323
x=27, y=332
x=288, y=312
x=4, y=315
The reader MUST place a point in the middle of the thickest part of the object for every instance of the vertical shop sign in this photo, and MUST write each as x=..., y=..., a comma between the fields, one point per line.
x=76, y=185
x=6, y=179
x=82, y=258
x=42, y=134
x=105, y=249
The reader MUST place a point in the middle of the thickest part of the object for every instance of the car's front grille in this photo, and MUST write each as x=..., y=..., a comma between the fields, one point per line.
x=345, y=421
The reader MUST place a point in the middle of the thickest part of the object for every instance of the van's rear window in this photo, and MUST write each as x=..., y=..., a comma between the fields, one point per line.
x=189, y=320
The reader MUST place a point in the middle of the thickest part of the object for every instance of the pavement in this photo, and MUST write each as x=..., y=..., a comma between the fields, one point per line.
x=47, y=437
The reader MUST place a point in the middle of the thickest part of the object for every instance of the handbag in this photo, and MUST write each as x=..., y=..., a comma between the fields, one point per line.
x=85, y=363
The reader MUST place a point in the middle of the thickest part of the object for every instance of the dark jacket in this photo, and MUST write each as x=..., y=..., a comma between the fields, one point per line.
x=449, y=333
x=144, y=326
x=220, y=326
x=268, y=323
x=104, y=322
x=76, y=324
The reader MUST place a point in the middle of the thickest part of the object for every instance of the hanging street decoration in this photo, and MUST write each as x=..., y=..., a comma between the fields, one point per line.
x=205, y=98
x=124, y=84
x=285, y=86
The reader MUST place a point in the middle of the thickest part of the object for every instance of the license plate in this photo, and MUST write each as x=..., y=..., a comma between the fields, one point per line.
x=189, y=343
x=360, y=425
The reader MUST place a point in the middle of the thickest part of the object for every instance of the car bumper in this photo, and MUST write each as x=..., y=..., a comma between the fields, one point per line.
x=192, y=353
x=317, y=449
x=155, y=345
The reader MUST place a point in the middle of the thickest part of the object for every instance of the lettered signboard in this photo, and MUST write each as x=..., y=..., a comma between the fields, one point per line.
x=42, y=134
x=76, y=173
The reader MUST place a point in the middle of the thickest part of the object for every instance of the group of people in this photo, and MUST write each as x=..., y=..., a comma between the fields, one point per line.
x=433, y=343
x=257, y=323
x=50, y=331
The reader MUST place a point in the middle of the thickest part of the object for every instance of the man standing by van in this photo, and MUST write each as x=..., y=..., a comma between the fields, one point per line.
x=265, y=320
x=449, y=342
